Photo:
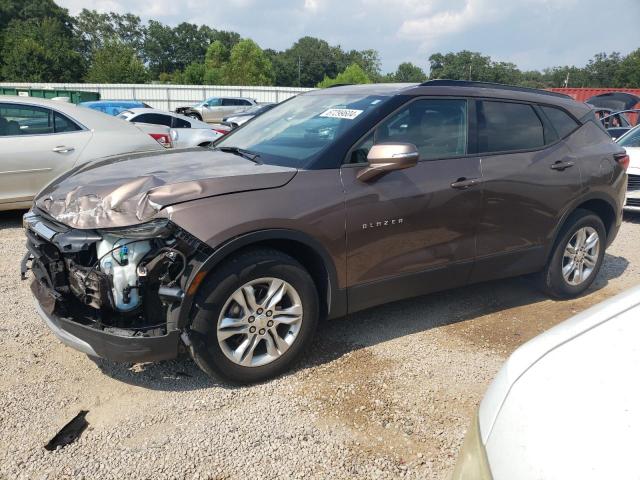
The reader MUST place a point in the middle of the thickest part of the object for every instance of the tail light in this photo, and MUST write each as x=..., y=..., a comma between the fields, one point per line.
x=163, y=139
x=223, y=132
x=622, y=159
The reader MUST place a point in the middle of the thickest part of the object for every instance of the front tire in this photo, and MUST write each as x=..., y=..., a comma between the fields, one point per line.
x=254, y=316
x=576, y=257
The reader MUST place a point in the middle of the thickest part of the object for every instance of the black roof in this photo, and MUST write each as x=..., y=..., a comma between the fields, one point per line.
x=494, y=86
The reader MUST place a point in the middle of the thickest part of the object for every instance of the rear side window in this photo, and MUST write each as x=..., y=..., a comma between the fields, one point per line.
x=62, y=124
x=180, y=123
x=154, y=119
x=504, y=126
x=562, y=123
x=227, y=102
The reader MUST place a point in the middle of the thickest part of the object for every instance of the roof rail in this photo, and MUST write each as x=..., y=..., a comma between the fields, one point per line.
x=496, y=86
x=339, y=85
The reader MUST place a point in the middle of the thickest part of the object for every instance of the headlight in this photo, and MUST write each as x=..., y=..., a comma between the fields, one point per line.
x=472, y=461
x=160, y=228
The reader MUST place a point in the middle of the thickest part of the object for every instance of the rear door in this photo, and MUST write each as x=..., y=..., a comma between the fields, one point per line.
x=413, y=231
x=38, y=144
x=529, y=177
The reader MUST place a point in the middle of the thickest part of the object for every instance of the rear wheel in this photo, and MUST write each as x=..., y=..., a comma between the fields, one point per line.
x=254, y=316
x=577, y=256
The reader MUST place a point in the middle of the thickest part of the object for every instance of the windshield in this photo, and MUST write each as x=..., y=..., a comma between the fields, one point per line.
x=296, y=131
x=631, y=139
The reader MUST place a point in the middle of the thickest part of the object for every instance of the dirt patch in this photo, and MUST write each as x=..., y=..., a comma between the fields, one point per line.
x=356, y=393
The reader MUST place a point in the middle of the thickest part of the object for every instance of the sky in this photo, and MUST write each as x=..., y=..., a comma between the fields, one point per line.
x=533, y=34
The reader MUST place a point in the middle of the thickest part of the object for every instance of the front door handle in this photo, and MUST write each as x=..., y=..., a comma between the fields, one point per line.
x=464, y=183
x=63, y=149
x=561, y=165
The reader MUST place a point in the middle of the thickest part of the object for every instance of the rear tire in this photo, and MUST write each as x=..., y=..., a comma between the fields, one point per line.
x=576, y=257
x=254, y=316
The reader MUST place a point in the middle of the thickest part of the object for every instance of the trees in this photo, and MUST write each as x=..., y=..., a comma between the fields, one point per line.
x=37, y=42
x=408, y=72
x=353, y=74
x=96, y=29
x=116, y=62
x=628, y=72
x=601, y=69
x=40, y=51
x=248, y=65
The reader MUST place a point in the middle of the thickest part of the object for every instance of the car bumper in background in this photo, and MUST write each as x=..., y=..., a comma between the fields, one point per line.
x=632, y=199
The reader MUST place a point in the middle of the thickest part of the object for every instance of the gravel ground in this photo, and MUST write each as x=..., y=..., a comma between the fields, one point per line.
x=385, y=393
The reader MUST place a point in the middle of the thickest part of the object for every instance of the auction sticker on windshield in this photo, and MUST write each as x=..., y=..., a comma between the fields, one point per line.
x=345, y=113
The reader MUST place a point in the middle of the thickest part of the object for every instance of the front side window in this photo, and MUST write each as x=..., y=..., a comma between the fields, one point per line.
x=504, y=126
x=438, y=128
x=214, y=102
x=18, y=119
x=296, y=131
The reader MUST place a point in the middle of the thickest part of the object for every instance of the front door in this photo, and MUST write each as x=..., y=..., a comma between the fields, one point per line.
x=413, y=231
x=38, y=145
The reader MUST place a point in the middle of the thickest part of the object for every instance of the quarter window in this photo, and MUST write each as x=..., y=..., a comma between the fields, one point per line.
x=63, y=125
x=504, y=126
x=180, y=123
x=438, y=128
x=562, y=123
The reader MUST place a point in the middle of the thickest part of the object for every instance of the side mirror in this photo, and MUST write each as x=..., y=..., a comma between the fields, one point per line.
x=387, y=157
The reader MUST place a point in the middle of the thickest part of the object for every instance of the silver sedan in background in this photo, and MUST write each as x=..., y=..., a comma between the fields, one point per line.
x=41, y=139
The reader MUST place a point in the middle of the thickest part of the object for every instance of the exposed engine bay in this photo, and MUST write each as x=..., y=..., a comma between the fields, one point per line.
x=123, y=281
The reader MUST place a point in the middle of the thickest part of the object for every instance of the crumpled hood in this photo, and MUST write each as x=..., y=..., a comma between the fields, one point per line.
x=129, y=189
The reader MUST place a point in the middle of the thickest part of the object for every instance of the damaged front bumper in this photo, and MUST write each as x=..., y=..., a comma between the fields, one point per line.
x=100, y=344
x=81, y=304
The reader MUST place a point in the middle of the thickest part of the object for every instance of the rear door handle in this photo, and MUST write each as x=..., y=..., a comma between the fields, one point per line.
x=464, y=183
x=561, y=165
x=63, y=149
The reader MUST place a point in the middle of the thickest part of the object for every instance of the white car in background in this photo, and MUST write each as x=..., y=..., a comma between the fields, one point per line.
x=631, y=143
x=566, y=405
x=185, y=132
x=41, y=139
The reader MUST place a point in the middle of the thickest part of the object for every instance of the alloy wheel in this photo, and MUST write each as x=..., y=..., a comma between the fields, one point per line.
x=581, y=256
x=259, y=322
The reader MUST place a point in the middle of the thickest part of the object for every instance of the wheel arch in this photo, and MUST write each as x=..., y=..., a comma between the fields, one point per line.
x=309, y=252
x=602, y=205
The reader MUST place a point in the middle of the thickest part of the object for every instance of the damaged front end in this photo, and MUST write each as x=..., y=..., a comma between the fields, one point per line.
x=112, y=293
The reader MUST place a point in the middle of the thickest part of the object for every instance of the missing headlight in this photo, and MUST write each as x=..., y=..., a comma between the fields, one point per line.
x=160, y=228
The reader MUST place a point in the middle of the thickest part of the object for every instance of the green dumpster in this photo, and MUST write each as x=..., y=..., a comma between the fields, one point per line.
x=75, y=96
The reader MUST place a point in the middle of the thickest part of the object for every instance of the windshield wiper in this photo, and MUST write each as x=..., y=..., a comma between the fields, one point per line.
x=254, y=157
